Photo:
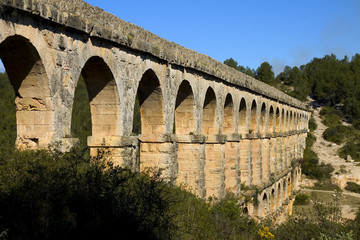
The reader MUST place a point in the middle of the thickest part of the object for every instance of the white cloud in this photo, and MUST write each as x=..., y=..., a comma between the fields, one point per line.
x=278, y=65
x=301, y=55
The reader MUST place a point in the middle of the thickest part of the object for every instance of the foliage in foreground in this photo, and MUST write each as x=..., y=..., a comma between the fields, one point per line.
x=50, y=195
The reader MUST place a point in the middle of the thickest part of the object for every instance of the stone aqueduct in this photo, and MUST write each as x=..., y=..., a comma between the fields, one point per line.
x=203, y=124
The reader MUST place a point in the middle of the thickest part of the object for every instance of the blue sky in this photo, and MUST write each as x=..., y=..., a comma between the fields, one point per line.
x=280, y=32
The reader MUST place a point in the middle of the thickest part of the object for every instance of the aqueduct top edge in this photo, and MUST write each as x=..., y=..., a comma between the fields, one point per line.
x=96, y=22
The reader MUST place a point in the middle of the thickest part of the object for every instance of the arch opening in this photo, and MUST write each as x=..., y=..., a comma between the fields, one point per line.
x=253, y=118
x=8, y=112
x=228, y=125
x=272, y=201
x=209, y=125
x=290, y=123
x=289, y=187
x=81, y=126
x=283, y=121
x=278, y=197
x=151, y=104
x=278, y=121
x=28, y=77
x=265, y=206
x=242, y=126
x=271, y=120
x=263, y=118
x=103, y=98
x=185, y=110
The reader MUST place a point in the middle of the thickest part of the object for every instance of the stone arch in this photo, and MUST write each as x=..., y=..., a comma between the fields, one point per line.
x=209, y=125
x=302, y=121
x=286, y=121
x=283, y=123
x=278, y=196
x=291, y=121
x=289, y=187
x=27, y=74
x=245, y=211
x=151, y=104
x=272, y=124
x=263, y=118
x=265, y=206
x=242, y=126
x=284, y=192
x=228, y=125
x=296, y=121
x=253, y=117
x=103, y=97
x=185, y=121
x=273, y=201
x=277, y=121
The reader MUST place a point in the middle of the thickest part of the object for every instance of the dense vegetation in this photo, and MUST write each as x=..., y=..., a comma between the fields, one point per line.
x=52, y=195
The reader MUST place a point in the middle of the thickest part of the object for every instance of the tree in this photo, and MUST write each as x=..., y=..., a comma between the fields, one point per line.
x=231, y=63
x=265, y=73
x=234, y=64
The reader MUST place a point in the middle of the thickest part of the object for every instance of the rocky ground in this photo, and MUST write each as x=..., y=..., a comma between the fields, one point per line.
x=344, y=170
x=327, y=153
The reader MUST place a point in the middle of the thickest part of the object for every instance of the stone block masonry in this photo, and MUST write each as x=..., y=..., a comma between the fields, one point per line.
x=204, y=126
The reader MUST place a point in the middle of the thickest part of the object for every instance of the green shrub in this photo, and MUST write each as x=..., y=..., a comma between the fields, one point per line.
x=331, y=116
x=331, y=120
x=310, y=140
x=46, y=195
x=350, y=148
x=312, y=123
x=337, y=134
x=326, y=185
x=352, y=187
x=302, y=199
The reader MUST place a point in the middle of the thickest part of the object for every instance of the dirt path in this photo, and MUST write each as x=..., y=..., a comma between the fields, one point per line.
x=327, y=153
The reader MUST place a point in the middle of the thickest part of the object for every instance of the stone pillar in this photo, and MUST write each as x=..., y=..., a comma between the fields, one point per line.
x=256, y=162
x=290, y=207
x=283, y=152
x=189, y=163
x=279, y=158
x=265, y=159
x=214, y=168
x=245, y=161
x=272, y=155
x=232, y=176
x=122, y=151
x=289, y=151
x=157, y=155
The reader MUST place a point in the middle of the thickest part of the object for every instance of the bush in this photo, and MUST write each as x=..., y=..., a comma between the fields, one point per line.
x=312, y=123
x=337, y=134
x=45, y=195
x=302, y=199
x=352, y=187
x=326, y=185
x=350, y=148
x=331, y=120
x=310, y=140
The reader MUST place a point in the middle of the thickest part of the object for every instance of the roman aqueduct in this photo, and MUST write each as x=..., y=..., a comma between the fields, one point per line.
x=206, y=126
